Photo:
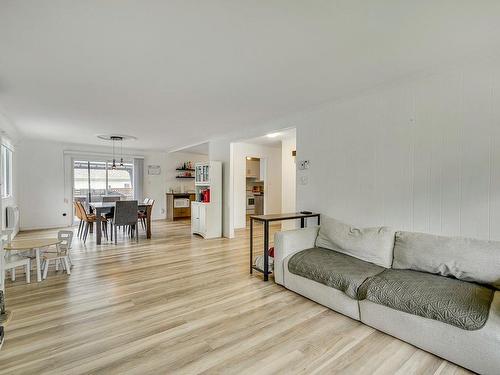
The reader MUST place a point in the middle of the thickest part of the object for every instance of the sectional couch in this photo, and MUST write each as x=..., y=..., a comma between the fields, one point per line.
x=438, y=293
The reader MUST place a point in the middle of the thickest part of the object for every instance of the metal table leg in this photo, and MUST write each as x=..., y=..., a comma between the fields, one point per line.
x=98, y=213
x=251, y=245
x=266, y=250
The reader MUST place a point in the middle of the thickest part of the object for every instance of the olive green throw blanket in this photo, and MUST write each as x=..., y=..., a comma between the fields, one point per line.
x=459, y=303
x=333, y=269
x=462, y=304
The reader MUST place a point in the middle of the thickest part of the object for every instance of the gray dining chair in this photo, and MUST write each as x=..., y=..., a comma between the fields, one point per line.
x=112, y=198
x=125, y=215
x=108, y=199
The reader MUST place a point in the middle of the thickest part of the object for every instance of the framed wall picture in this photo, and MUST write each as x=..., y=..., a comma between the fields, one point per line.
x=154, y=170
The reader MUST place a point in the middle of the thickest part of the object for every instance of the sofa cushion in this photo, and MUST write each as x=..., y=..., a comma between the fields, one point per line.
x=374, y=245
x=463, y=258
x=459, y=303
x=333, y=269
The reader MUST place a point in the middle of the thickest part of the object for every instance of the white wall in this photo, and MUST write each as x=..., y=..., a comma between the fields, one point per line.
x=45, y=186
x=154, y=185
x=272, y=186
x=174, y=160
x=222, y=150
x=41, y=185
x=421, y=155
x=288, y=180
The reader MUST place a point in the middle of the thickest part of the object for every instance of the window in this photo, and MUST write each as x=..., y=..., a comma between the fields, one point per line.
x=120, y=181
x=6, y=172
x=95, y=179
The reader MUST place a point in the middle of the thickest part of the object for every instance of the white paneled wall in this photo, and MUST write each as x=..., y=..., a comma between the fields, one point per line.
x=288, y=177
x=423, y=155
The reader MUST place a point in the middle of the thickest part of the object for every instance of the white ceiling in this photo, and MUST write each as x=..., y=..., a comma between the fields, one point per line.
x=275, y=140
x=174, y=73
x=201, y=149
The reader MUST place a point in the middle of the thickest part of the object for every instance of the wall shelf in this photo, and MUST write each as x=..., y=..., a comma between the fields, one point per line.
x=184, y=176
x=184, y=169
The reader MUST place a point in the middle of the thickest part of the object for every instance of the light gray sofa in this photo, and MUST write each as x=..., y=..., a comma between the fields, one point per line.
x=438, y=293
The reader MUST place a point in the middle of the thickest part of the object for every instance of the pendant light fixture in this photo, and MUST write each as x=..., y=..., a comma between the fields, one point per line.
x=116, y=138
x=121, y=152
x=113, y=139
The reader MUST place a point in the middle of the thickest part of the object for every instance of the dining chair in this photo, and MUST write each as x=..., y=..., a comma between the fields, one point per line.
x=66, y=238
x=12, y=261
x=90, y=219
x=125, y=216
x=78, y=214
x=143, y=215
x=61, y=255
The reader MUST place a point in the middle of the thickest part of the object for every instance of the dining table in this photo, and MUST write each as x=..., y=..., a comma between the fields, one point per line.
x=32, y=244
x=102, y=208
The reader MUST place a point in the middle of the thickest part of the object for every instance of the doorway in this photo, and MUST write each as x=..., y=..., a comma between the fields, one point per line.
x=255, y=182
x=264, y=165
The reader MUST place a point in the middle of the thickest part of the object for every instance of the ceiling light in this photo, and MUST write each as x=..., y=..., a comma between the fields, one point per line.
x=272, y=135
x=116, y=138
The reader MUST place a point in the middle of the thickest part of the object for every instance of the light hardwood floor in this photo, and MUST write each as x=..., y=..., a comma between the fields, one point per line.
x=180, y=304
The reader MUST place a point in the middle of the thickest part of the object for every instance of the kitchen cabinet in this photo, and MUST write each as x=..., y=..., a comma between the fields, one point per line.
x=199, y=215
x=195, y=217
x=175, y=212
x=256, y=169
x=253, y=169
x=206, y=216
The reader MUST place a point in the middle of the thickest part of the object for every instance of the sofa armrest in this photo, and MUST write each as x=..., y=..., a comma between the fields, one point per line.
x=290, y=242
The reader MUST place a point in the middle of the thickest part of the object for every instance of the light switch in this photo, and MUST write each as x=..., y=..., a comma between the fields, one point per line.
x=303, y=164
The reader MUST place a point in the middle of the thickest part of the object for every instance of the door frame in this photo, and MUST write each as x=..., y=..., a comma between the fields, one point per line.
x=69, y=176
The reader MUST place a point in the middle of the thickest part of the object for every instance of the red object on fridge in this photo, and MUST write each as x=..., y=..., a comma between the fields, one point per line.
x=205, y=196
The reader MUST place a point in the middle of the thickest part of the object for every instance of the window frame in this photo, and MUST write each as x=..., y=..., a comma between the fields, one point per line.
x=107, y=162
x=6, y=156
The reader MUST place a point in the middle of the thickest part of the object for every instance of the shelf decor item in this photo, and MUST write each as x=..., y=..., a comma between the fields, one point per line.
x=186, y=168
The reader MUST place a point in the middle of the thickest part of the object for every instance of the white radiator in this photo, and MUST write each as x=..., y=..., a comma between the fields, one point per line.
x=12, y=220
